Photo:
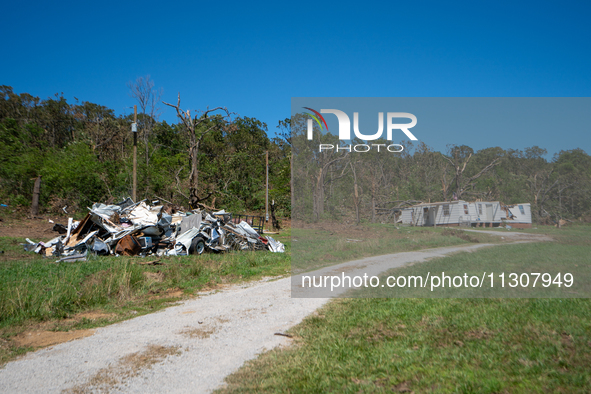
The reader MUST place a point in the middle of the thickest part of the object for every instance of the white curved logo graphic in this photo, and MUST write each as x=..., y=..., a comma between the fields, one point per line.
x=345, y=124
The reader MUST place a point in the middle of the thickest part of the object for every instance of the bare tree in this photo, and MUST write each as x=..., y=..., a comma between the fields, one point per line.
x=197, y=127
x=312, y=169
x=148, y=98
x=546, y=185
x=461, y=156
x=356, y=198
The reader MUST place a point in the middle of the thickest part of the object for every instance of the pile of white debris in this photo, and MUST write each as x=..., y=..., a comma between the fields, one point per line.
x=138, y=229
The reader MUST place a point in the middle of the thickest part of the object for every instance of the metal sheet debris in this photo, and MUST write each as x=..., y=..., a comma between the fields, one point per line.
x=138, y=229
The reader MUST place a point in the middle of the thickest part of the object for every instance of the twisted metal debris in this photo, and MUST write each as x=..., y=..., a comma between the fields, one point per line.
x=137, y=229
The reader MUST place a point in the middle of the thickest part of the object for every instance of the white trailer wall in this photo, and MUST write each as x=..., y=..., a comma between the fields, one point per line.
x=521, y=215
x=487, y=212
x=406, y=216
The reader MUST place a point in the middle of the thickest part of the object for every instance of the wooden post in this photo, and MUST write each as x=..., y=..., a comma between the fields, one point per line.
x=267, y=187
x=291, y=184
x=435, y=216
x=135, y=154
x=36, y=192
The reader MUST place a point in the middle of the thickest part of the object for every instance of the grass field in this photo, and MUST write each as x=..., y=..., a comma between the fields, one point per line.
x=448, y=345
x=326, y=245
x=522, y=266
x=38, y=294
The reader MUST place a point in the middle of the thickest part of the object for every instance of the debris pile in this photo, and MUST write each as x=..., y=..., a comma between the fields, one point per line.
x=137, y=229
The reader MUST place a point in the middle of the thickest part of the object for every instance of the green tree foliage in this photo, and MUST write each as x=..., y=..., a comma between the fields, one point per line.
x=83, y=152
x=358, y=186
x=22, y=155
x=75, y=174
x=233, y=161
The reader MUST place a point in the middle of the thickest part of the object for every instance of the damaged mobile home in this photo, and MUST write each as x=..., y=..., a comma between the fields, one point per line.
x=463, y=213
x=517, y=215
x=137, y=229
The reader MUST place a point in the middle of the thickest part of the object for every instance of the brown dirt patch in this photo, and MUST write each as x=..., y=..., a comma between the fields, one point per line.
x=97, y=278
x=460, y=234
x=44, y=333
x=380, y=333
x=77, y=318
x=48, y=338
x=377, y=333
x=286, y=222
x=35, y=229
x=566, y=339
x=174, y=293
x=199, y=332
x=170, y=293
x=204, y=330
x=154, y=276
x=18, y=255
x=213, y=287
x=431, y=321
x=93, y=315
x=106, y=379
x=479, y=334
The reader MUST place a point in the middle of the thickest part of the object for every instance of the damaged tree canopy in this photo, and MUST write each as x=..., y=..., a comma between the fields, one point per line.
x=137, y=229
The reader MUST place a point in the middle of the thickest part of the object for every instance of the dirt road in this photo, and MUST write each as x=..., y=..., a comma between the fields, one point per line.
x=189, y=348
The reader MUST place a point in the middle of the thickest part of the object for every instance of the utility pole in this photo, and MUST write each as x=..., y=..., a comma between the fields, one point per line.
x=134, y=130
x=267, y=188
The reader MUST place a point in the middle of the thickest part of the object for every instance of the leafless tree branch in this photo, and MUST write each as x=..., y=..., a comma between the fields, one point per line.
x=195, y=137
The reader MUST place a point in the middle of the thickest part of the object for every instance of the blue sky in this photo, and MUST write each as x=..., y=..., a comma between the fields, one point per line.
x=253, y=57
x=479, y=122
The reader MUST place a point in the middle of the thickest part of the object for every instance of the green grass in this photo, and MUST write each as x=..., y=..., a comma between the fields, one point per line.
x=319, y=247
x=444, y=346
x=34, y=289
x=527, y=258
x=572, y=234
x=451, y=345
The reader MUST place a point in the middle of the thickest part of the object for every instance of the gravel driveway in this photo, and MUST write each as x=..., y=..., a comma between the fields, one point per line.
x=188, y=348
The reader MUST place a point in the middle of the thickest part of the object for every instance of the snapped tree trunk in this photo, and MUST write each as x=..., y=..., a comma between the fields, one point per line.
x=459, y=166
x=356, y=199
x=274, y=220
x=194, y=181
x=195, y=137
x=318, y=198
x=36, y=192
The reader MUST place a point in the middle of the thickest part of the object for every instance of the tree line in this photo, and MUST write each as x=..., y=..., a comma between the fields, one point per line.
x=84, y=154
x=365, y=186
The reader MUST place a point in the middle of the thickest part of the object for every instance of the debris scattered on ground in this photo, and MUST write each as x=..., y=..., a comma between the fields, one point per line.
x=284, y=334
x=137, y=229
